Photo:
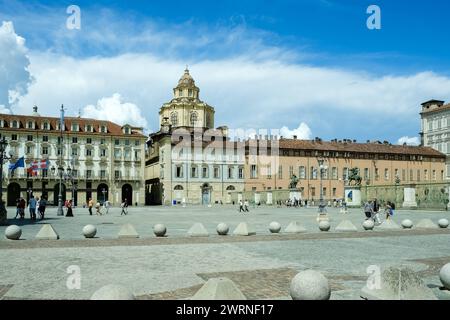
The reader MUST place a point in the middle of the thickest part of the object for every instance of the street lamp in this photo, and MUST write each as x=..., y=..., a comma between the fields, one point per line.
x=3, y=212
x=104, y=195
x=322, y=207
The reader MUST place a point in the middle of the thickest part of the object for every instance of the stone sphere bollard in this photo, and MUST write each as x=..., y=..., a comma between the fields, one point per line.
x=443, y=223
x=407, y=224
x=89, y=231
x=368, y=225
x=222, y=229
x=444, y=275
x=324, y=225
x=13, y=232
x=274, y=227
x=159, y=230
x=310, y=285
x=113, y=292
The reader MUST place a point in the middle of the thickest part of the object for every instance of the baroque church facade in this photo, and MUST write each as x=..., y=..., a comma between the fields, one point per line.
x=188, y=160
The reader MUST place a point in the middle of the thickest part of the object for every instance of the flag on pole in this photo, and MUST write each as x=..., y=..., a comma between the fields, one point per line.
x=18, y=164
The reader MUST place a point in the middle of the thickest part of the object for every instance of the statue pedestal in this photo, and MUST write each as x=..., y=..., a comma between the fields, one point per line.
x=353, y=196
x=409, y=196
x=294, y=194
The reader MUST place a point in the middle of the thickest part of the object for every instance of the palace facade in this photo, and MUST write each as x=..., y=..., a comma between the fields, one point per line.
x=101, y=160
x=378, y=163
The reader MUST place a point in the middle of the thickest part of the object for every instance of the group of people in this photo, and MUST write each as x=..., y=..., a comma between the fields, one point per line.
x=243, y=206
x=106, y=206
x=372, y=210
x=35, y=205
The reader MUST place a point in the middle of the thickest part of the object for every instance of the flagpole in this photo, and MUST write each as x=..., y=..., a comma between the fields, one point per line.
x=61, y=124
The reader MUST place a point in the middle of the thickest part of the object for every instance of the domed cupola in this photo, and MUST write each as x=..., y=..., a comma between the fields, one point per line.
x=186, y=87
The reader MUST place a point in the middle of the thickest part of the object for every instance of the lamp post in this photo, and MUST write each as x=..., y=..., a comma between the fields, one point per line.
x=3, y=212
x=322, y=167
x=104, y=195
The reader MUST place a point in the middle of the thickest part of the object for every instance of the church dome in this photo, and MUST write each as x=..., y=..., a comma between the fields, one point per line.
x=186, y=79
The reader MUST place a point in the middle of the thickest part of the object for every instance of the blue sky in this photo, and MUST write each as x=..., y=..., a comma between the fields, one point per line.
x=385, y=73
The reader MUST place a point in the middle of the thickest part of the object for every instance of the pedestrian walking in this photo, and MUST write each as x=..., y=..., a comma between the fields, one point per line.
x=22, y=205
x=241, y=206
x=124, y=206
x=388, y=210
x=106, y=204
x=97, y=208
x=69, y=209
x=90, y=205
x=368, y=210
x=17, y=208
x=41, y=208
x=32, y=206
x=246, y=206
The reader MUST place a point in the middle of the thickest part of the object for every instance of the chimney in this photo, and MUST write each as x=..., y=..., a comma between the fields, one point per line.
x=295, y=137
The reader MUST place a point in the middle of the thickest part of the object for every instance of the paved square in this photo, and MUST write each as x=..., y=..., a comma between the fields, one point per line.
x=176, y=266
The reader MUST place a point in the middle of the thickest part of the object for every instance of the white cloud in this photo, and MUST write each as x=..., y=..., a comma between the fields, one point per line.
x=412, y=141
x=302, y=132
x=116, y=110
x=14, y=75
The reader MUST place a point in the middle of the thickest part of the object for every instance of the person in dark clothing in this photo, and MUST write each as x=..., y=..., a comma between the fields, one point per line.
x=42, y=205
x=69, y=209
x=22, y=205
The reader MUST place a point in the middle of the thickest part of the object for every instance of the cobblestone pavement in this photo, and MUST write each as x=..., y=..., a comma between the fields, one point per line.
x=175, y=267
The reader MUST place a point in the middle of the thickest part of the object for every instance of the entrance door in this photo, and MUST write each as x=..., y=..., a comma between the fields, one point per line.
x=206, y=196
x=127, y=193
x=13, y=194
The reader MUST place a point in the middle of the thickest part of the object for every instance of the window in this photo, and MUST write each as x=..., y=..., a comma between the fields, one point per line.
x=280, y=171
x=30, y=125
x=377, y=174
x=301, y=172
x=29, y=149
x=366, y=174
x=127, y=130
x=117, y=154
x=117, y=142
x=193, y=118
x=324, y=191
x=411, y=175
x=59, y=151
x=313, y=191
x=291, y=171
x=418, y=175
x=230, y=172
x=174, y=118
x=334, y=173
x=46, y=126
x=193, y=172
x=74, y=139
x=241, y=173
x=269, y=172
x=334, y=192
x=14, y=137
x=89, y=140
x=404, y=174
x=216, y=173
x=102, y=141
x=103, y=129
x=89, y=128
x=127, y=155
x=127, y=142
x=102, y=174
x=180, y=93
x=190, y=92
x=345, y=173
x=313, y=173
x=29, y=137
x=102, y=152
x=442, y=174
x=204, y=172
x=44, y=150
x=137, y=143
x=15, y=124
x=434, y=174
x=386, y=174
x=88, y=152
x=74, y=127
x=425, y=173
x=45, y=138
x=74, y=151
x=253, y=173
x=116, y=174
